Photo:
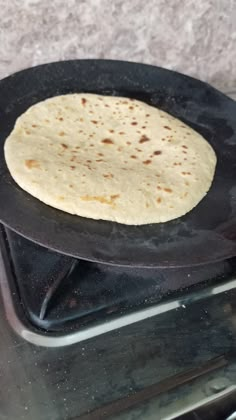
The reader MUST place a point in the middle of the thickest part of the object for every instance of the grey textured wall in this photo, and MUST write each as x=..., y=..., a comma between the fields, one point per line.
x=197, y=37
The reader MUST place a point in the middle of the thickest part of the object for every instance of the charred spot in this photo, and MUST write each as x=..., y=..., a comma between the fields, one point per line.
x=83, y=101
x=157, y=152
x=169, y=190
x=144, y=138
x=134, y=123
x=133, y=157
x=147, y=162
x=167, y=127
x=64, y=146
x=159, y=199
x=31, y=163
x=94, y=121
x=107, y=141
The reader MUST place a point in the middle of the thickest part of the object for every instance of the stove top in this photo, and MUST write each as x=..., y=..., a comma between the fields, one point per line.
x=54, y=300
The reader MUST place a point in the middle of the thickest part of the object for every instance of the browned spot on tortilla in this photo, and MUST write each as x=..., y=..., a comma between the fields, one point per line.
x=100, y=154
x=61, y=119
x=186, y=183
x=77, y=147
x=111, y=131
x=101, y=198
x=28, y=132
x=31, y=163
x=61, y=197
x=131, y=107
x=157, y=152
x=147, y=115
x=71, y=186
x=147, y=205
x=186, y=173
x=159, y=188
x=133, y=157
x=121, y=133
x=159, y=199
x=120, y=149
x=83, y=101
x=107, y=106
x=65, y=146
x=144, y=126
x=134, y=123
x=72, y=167
x=99, y=160
x=47, y=121
x=108, y=176
x=167, y=127
x=88, y=161
x=73, y=159
x=185, y=147
x=169, y=190
x=61, y=133
x=107, y=141
x=144, y=138
x=147, y=162
x=138, y=150
x=128, y=142
x=34, y=125
x=94, y=121
x=91, y=145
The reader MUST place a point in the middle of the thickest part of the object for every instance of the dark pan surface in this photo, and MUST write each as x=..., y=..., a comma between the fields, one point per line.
x=206, y=234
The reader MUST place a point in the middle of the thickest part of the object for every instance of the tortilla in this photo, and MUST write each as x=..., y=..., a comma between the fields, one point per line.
x=110, y=158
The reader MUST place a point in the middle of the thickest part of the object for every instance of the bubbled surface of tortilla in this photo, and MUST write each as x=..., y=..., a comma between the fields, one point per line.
x=110, y=158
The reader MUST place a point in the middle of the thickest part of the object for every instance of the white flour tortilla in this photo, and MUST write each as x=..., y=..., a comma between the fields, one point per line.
x=109, y=158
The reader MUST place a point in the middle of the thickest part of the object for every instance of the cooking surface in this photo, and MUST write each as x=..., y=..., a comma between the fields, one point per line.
x=202, y=236
x=65, y=382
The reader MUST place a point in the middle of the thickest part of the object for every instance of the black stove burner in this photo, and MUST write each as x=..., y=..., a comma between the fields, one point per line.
x=59, y=293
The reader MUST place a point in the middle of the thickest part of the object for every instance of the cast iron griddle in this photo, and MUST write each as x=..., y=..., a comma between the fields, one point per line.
x=206, y=234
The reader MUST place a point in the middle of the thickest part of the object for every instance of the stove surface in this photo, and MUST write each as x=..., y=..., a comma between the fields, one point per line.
x=55, y=296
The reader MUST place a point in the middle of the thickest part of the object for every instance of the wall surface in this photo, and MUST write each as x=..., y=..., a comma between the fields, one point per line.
x=194, y=37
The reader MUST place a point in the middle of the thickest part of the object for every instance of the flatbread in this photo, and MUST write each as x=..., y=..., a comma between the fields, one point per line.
x=110, y=158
